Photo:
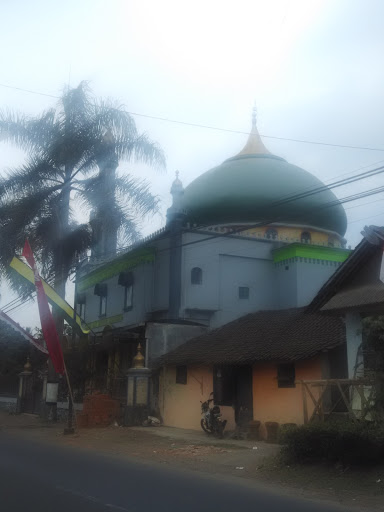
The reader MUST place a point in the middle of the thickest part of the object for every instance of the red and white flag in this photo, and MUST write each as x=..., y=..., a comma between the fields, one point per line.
x=47, y=324
x=8, y=320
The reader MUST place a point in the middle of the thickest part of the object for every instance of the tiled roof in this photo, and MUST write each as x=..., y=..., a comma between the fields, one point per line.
x=371, y=294
x=337, y=295
x=283, y=335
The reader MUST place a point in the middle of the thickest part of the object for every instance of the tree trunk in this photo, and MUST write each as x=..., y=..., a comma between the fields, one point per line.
x=107, y=163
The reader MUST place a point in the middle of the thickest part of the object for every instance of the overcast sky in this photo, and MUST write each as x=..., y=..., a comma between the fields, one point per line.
x=314, y=68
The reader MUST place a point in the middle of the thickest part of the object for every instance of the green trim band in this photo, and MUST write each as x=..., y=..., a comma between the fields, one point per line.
x=315, y=252
x=120, y=264
x=106, y=321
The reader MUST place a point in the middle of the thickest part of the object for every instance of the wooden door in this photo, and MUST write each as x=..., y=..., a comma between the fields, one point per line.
x=244, y=395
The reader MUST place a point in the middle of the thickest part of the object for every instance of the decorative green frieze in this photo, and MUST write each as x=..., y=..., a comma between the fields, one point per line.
x=316, y=252
x=120, y=264
x=106, y=321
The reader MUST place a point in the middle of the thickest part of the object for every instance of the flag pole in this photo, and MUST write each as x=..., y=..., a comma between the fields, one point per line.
x=71, y=406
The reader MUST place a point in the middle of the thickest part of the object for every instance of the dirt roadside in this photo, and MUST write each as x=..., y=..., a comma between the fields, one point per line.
x=248, y=462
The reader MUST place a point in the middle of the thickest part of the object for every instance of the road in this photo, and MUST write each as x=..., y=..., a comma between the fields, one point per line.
x=42, y=477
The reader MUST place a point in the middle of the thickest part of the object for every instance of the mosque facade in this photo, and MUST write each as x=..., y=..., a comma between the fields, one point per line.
x=254, y=234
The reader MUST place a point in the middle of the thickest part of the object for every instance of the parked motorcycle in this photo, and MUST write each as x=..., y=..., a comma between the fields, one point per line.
x=211, y=421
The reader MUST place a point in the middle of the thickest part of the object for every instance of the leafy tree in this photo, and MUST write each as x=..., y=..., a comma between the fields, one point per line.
x=73, y=151
x=14, y=350
x=373, y=347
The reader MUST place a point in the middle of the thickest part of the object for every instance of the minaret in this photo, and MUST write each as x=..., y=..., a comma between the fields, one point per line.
x=177, y=191
x=175, y=220
x=104, y=220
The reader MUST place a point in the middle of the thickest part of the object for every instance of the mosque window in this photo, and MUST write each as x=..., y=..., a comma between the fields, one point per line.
x=286, y=375
x=102, y=291
x=305, y=237
x=331, y=241
x=243, y=292
x=126, y=280
x=271, y=234
x=80, y=305
x=196, y=275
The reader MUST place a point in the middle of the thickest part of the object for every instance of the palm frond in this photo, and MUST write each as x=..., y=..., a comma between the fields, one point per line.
x=140, y=149
x=29, y=178
x=29, y=134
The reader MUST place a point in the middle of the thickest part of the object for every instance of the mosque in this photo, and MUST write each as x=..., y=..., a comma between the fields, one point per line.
x=246, y=247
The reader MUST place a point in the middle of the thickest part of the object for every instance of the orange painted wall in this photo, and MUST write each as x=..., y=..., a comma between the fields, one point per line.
x=180, y=403
x=284, y=405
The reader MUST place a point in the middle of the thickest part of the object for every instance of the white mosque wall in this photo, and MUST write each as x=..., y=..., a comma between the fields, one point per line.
x=142, y=300
x=160, y=281
x=297, y=282
x=226, y=264
x=311, y=275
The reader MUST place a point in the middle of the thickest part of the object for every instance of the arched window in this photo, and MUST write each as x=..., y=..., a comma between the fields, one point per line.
x=271, y=234
x=331, y=241
x=196, y=275
x=305, y=237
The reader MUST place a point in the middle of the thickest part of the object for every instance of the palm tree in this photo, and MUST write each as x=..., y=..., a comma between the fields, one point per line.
x=73, y=152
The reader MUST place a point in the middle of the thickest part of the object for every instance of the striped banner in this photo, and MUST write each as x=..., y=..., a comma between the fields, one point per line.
x=52, y=296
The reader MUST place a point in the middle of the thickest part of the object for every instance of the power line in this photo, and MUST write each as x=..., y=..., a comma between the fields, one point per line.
x=366, y=218
x=28, y=90
x=350, y=198
x=208, y=127
x=263, y=223
x=363, y=204
x=287, y=199
x=284, y=200
x=19, y=301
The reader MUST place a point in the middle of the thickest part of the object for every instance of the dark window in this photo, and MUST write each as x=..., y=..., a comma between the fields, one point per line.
x=181, y=374
x=128, y=297
x=243, y=292
x=286, y=375
x=224, y=385
x=305, y=237
x=196, y=275
x=271, y=234
x=126, y=280
x=101, y=290
x=80, y=305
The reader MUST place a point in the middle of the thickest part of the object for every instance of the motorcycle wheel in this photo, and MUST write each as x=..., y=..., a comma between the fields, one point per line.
x=205, y=427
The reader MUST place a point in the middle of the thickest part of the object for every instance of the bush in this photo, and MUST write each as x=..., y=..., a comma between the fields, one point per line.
x=347, y=443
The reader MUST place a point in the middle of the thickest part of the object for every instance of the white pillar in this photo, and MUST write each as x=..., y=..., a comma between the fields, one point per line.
x=354, y=339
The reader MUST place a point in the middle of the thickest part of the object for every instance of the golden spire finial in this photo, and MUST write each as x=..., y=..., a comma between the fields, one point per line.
x=254, y=116
x=139, y=359
x=254, y=145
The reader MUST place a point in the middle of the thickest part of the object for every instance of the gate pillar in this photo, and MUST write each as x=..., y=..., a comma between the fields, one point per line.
x=25, y=378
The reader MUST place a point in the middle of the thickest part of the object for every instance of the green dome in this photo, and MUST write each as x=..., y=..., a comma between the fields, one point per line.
x=251, y=188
